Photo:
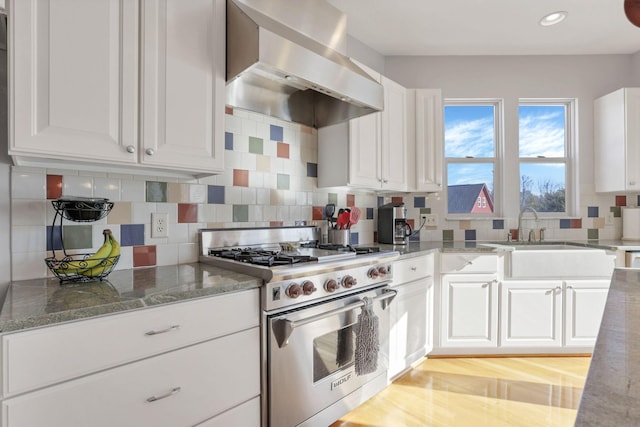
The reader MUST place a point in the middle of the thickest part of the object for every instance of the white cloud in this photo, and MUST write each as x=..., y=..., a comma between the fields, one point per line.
x=542, y=135
x=470, y=138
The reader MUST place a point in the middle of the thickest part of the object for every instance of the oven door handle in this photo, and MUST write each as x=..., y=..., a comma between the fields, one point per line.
x=283, y=327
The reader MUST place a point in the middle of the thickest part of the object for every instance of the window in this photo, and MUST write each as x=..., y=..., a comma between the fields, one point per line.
x=471, y=148
x=544, y=147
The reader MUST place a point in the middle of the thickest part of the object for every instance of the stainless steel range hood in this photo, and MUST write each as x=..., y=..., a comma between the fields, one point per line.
x=284, y=60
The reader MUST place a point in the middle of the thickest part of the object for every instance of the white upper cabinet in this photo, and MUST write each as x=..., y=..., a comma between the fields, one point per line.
x=429, y=140
x=76, y=72
x=369, y=151
x=617, y=141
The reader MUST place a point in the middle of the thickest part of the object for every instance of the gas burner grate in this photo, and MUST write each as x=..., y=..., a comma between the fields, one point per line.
x=260, y=256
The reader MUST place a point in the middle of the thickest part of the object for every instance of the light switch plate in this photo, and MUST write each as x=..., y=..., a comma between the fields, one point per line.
x=159, y=224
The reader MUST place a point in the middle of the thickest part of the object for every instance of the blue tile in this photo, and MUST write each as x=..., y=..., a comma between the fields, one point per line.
x=369, y=213
x=419, y=202
x=414, y=237
x=380, y=201
x=132, y=235
x=228, y=141
x=498, y=224
x=57, y=238
x=593, y=212
x=312, y=170
x=215, y=194
x=276, y=133
x=469, y=234
x=565, y=223
x=355, y=238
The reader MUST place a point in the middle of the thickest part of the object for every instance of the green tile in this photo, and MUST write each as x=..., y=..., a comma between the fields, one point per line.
x=283, y=181
x=156, y=191
x=592, y=234
x=333, y=198
x=240, y=213
x=78, y=237
x=424, y=211
x=447, y=235
x=617, y=211
x=256, y=145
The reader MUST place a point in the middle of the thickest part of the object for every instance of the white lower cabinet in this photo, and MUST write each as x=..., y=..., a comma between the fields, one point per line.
x=584, y=306
x=469, y=310
x=531, y=313
x=183, y=364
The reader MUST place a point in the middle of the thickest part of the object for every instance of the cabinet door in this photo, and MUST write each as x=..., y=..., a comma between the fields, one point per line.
x=394, y=137
x=469, y=313
x=429, y=139
x=410, y=316
x=585, y=301
x=531, y=313
x=190, y=385
x=73, y=79
x=632, y=135
x=364, y=151
x=183, y=60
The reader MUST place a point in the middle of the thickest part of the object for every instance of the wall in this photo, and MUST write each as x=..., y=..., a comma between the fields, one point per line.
x=635, y=69
x=510, y=78
x=270, y=180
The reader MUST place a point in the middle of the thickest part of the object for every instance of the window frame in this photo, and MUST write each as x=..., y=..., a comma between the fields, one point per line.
x=496, y=160
x=569, y=159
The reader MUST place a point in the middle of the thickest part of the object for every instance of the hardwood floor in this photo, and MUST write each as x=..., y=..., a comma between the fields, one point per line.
x=523, y=391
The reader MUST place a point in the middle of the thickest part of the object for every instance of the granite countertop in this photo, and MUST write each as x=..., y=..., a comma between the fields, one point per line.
x=611, y=395
x=41, y=302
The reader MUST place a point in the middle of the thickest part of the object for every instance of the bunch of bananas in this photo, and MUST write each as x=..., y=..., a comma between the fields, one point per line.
x=97, y=264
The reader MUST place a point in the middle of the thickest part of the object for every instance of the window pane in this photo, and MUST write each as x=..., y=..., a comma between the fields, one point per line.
x=470, y=188
x=542, y=186
x=542, y=130
x=469, y=131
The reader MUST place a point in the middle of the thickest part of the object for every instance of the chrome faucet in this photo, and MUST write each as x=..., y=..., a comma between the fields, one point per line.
x=526, y=208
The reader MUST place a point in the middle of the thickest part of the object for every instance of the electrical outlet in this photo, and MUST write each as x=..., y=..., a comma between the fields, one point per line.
x=608, y=219
x=159, y=224
x=430, y=220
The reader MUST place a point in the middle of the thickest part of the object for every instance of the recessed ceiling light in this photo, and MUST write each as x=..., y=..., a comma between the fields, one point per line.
x=553, y=18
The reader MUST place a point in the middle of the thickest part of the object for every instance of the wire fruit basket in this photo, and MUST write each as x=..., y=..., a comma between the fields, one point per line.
x=79, y=268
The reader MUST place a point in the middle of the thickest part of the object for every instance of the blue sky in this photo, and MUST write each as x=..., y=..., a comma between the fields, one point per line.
x=469, y=131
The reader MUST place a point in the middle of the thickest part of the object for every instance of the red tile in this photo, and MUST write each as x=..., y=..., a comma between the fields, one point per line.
x=275, y=223
x=187, y=212
x=144, y=256
x=283, y=150
x=351, y=200
x=317, y=213
x=375, y=236
x=514, y=233
x=576, y=223
x=241, y=178
x=54, y=186
x=412, y=223
x=397, y=200
x=228, y=110
x=621, y=200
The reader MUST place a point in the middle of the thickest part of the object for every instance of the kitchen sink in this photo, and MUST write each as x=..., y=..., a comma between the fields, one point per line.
x=555, y=260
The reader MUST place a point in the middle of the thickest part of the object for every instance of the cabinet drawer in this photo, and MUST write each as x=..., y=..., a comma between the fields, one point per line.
x=206, y=379
x=49, y=355
x=245, y=415
x=468, y=263
x=410, y=269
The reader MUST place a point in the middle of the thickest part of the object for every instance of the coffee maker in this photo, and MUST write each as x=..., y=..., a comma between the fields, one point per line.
x=393, y=227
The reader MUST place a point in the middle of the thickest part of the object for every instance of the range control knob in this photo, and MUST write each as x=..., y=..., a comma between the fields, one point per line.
x=373, y=273
x=308, y=287
x=348, y=281
x=383, y=271
x=330, y=285
x=293, y=290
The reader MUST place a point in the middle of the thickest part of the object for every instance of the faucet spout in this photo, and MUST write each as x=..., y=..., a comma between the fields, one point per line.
x=522, y=211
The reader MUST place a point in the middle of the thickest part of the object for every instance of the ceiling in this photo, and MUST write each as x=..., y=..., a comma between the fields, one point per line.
x=490, y=27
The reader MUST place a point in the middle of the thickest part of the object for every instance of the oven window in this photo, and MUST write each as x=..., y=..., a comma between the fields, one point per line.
x=332, y=352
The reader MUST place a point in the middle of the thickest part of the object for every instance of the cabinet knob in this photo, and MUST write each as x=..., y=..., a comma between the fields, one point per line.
x=150, y=151
x=384, y=181
x=131, y=149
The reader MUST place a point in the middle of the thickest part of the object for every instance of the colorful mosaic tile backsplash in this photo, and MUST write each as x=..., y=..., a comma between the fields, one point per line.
x=270, y=180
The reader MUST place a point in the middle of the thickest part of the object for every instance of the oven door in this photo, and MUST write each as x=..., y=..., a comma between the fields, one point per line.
x=311, y=358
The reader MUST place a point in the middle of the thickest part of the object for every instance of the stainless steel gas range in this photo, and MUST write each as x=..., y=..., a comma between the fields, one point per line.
x=311, y=299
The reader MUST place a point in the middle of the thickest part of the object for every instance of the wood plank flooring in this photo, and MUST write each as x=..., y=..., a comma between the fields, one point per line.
x=519, y=391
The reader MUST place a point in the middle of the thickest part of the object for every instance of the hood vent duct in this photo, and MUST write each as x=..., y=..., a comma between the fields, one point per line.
x=279, y=63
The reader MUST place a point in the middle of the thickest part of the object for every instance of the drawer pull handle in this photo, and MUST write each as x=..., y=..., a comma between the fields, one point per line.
x=163, y=331
x=173, y=391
